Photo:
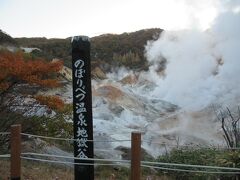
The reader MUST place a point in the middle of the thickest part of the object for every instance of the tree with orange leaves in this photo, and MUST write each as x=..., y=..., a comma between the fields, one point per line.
x=16, y=68
x=54, y=102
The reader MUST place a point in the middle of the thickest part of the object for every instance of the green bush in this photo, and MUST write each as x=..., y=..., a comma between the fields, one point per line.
x=200, y=156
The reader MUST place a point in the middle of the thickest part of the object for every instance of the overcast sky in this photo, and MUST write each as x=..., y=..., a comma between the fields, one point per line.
x=65, y=18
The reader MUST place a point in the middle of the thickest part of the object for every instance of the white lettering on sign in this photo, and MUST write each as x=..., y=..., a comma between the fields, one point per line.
x=82, y=120
x=81, y=95
x=82, y=142
x=79, y=73
x=80, y=110
x=79, y=64
x=81, y=154
x=81, y=132
x=80, y=83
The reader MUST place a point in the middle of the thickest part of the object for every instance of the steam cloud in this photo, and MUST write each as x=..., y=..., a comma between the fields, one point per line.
x=200, y=68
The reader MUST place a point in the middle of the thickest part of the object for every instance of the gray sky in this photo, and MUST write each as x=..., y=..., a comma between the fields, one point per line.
x=64, y=18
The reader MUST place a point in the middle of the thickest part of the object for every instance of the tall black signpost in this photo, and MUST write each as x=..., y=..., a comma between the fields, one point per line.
x=82, y=107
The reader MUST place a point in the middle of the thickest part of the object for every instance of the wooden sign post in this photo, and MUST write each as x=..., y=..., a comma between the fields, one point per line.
x=82, y=107
x=16, y=152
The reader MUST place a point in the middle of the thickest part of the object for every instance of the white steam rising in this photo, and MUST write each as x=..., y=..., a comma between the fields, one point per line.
x=201, y=67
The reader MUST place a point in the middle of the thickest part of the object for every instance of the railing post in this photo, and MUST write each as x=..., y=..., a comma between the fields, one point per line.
x=136, y=156
x=15, y=152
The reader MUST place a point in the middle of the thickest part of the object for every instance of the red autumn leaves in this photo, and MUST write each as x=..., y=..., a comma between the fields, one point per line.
x=17, y=67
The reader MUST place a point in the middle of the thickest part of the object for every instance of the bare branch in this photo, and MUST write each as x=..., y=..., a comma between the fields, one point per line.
x=230, y=114
x=227, y=138
x=227, y=142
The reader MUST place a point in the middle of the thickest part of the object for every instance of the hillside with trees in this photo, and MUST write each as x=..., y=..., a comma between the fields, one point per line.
x=18, y=68
x=107, y=50
x=49, y=48
x=7, y=40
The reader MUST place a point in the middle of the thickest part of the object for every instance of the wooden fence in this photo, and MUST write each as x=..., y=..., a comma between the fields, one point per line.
x=15, y=145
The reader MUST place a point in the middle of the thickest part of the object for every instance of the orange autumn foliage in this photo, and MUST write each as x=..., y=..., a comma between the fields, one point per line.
x=15, y=68
x=54, y=102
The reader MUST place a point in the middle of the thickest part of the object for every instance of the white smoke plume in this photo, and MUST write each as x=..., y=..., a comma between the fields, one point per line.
x=202, y=67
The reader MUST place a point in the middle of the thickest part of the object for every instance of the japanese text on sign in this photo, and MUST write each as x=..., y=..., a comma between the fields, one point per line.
x=80, y=93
